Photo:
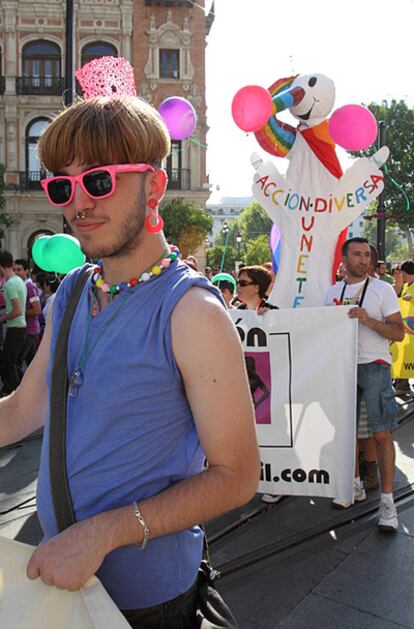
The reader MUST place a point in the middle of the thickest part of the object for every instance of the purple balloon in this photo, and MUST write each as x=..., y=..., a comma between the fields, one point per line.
x=179, y=115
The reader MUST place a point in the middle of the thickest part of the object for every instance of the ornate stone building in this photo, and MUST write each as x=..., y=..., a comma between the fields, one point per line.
x=164, y=41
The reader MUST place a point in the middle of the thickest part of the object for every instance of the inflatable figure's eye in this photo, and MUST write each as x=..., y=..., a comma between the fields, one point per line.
x=312, y=81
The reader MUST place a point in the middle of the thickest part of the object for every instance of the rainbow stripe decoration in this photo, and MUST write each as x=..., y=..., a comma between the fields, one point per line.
x=277, y=137
x=274, y=243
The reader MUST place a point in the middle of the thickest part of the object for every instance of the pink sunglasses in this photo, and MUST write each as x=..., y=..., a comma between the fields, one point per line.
x=98, y=183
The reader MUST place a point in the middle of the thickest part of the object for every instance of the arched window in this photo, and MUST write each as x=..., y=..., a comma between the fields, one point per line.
x=33, y=170
x=41, y=68
x=97, y=49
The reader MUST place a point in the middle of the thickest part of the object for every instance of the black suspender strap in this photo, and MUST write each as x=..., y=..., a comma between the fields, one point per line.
x=62, y=501
x=364, y=290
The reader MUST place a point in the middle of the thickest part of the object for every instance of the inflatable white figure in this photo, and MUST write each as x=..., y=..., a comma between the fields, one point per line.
x=315, y=201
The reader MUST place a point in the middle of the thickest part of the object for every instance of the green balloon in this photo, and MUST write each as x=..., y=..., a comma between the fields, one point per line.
x=38, y=252
x=63, y=253
x=224, y=276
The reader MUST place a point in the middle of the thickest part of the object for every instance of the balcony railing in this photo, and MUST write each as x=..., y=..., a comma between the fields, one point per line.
x=178, y=179
x=30, y=179
x=40, y=85
x=2, y=84
x=169, y=3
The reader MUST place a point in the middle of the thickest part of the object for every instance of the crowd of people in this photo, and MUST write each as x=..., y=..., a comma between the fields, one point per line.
x=24, y=302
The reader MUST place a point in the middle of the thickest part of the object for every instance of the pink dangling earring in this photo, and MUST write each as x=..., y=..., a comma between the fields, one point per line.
x=154, y=222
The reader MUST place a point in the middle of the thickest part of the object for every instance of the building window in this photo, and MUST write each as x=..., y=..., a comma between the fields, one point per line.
x=33, y=173
x=97, y=49
x=178, y=178
x=169, y=63
x=41, y=65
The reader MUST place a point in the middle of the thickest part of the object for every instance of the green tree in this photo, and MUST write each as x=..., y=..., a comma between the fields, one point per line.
x=399, y=137
x=186, y=225
x=215, y=256
x=396, y=247
x=234, y=229
x=258, y=250
x=253, y=222
x=5, y=219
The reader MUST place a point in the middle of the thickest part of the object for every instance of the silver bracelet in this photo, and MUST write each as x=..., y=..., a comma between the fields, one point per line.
x=140, y=518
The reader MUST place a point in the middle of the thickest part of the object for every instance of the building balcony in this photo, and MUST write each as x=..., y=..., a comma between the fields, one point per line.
x=29, y=180
x=169, y=3
x=178, y=179
x=40, y=85
x=2, y=84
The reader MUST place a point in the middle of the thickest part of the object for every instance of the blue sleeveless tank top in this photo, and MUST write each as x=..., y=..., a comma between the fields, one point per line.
x=130, y=430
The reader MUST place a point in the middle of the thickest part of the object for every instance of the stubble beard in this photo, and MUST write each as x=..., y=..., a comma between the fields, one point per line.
x=129, y=234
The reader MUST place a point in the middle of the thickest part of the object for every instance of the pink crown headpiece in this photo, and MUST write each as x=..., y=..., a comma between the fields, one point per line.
x=107, y=76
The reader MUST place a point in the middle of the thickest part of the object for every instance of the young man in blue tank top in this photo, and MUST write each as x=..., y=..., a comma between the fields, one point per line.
x=152, y=393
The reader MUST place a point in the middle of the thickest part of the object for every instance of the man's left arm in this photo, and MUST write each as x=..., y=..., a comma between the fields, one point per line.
x=209, y=356
x=34, y=308
x=392, y=328
x=16, y=311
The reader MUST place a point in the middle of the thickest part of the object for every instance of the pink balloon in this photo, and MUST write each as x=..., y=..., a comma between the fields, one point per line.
x=251, y=107
x=353, y=127
x=179, y=116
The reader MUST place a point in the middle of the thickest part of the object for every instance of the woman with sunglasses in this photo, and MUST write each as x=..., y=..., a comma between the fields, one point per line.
x=252, y=285
x=151, y=393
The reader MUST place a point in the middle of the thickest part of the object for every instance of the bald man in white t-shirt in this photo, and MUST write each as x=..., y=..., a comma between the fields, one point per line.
x=377, y=309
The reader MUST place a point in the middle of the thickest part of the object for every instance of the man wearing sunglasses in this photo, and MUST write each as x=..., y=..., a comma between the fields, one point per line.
x=152, y=394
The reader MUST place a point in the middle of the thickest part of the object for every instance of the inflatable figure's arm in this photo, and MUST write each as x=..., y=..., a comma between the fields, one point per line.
x=269, y=187
x=276, y=137
x=360, y=185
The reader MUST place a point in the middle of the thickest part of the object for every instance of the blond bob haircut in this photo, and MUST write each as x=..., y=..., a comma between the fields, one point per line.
x=105, y=130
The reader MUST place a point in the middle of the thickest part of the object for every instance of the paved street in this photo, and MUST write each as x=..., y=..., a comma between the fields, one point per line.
x=318, y=570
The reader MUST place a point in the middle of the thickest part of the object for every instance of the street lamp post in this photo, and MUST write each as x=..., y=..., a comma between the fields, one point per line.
x=225, y=230
x=238, y=241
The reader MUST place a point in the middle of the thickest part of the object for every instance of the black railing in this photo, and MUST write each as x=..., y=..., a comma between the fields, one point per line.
x=30, y=179
x=2, y=84
x=178, y=179
x=40, y=85
x=169, y=3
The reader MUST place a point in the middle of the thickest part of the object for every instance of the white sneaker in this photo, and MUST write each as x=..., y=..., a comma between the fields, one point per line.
x=359, y=496
x=270, y=498
x=387, y=517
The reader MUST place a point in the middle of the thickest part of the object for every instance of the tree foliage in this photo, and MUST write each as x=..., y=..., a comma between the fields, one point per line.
x=252, y=222
x=396, y=247
x=215, y=256
x=399, y=137
x=186, y=225
x=258, y=251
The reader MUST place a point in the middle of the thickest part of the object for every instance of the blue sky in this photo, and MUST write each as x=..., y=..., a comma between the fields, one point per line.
x=365, y=46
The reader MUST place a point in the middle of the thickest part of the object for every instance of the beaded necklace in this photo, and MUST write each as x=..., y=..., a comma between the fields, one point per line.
x=152, y=271
x=76, y=380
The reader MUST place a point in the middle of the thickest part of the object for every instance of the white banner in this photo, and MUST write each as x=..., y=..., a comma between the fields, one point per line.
x=302, y=371
x=26, y=604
